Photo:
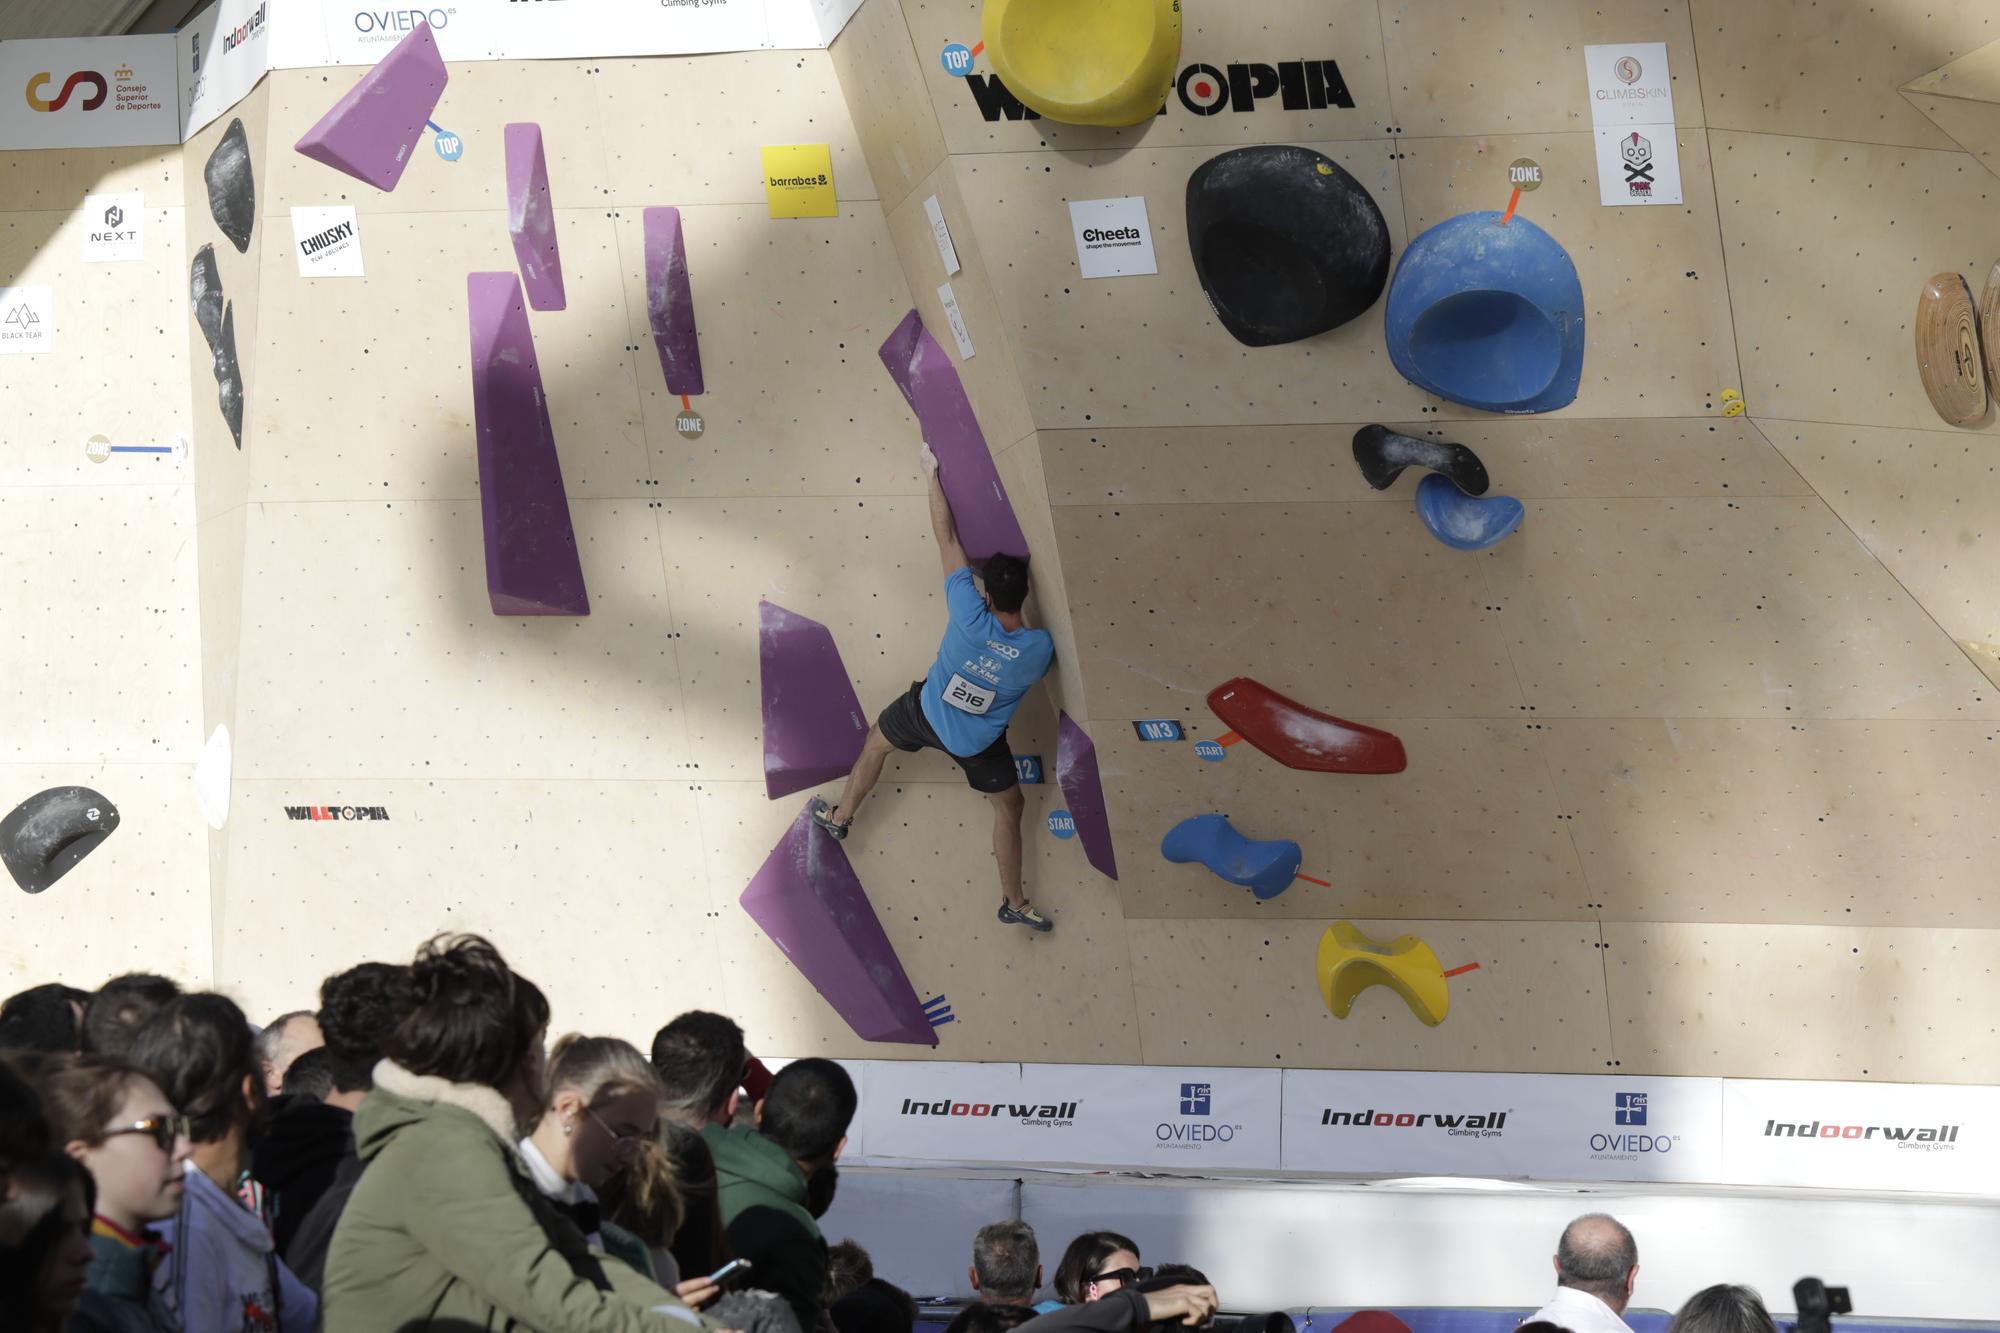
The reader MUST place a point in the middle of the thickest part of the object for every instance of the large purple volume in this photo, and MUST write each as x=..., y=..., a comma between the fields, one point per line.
x=670, y=300
x=531, y=217
x=807, y=898
x=813, y=723
x=371, y=133
x=1083, y=793
x=979, y=504
x=532, y=567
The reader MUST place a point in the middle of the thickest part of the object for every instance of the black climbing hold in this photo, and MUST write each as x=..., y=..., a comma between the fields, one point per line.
x=218, y=326
x=43, y=837
x=232, y=191
x=205, y=289
x=1383, y=454
x=229, y=376
x=1285, y=242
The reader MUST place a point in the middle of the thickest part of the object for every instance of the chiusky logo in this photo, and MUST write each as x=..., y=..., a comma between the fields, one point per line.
x=1637, y=150
x=1194, y=1128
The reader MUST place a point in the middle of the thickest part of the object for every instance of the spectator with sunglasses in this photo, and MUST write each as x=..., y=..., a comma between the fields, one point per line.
x=121, y=1127
x=1096, y=1264
x=222, y=1269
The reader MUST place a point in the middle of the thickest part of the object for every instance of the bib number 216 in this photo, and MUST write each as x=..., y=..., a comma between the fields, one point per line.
x=967, y=697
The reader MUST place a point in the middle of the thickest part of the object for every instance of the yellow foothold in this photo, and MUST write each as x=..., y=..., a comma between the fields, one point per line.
x=1323, y=168
x=1731, y=396
x=1350, y=962
x=1734, y=409
x=1109, y=62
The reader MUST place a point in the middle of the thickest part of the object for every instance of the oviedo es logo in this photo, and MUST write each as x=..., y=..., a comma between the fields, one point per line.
x=82, y=78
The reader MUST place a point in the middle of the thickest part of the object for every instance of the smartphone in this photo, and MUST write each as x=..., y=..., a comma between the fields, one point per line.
x=728, y=1270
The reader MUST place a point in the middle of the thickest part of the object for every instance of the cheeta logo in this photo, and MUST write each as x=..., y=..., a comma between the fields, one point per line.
x=70, y=85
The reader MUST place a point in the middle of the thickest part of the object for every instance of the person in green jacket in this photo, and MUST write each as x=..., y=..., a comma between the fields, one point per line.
x=766, y=1175
x=446, y=1228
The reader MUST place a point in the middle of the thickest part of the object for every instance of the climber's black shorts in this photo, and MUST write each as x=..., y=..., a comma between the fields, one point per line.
x=904, y=726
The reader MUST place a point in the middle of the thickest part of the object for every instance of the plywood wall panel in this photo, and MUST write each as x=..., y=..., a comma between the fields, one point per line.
x=1658, y=335
x=882, y=79
x=1747, y=1001
x=1830, y=71
x=1543, y=457
x=370, y=651
x=1973, y=126
x=1244, y=993
x=920, y=851
x=139, y=902
x=1829, y=247
x=103, y=664
x=347, y=415
x=1516, y=66
x=1718, y=608
x=688, y=131
x=118, y=366
x=1352, y=609
x=1214, y=33
x=1472, y=830
x=592, y=889
x=479, y=99
x=1148, y=351
x=1767, y=821
x=1922, y=502
x=789, y=314
x=58, y=179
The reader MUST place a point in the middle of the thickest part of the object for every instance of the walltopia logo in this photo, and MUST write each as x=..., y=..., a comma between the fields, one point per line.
x=1299, y=85
x=1477, y=1124
x=1941, y=1138
x=1057, y=1115
x=82, y=78
x=335, y=812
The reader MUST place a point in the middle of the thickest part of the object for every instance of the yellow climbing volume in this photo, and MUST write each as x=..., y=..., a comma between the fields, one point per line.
x=1350, y=962
x=1085, y=62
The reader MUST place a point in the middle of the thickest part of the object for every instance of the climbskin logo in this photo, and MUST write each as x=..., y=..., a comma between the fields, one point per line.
x=82, y=78
x=1627, y=69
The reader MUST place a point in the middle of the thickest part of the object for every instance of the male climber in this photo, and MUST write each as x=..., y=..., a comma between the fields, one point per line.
x=985, y=663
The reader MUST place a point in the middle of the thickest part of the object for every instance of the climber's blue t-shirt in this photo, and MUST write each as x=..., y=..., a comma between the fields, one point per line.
x=982, y=670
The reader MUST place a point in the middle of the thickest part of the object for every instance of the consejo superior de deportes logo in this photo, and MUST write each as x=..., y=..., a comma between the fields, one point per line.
x=82, y=78
x=1197, y=1103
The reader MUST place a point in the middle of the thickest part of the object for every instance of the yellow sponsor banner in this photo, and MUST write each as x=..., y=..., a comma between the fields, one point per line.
x=798, y=180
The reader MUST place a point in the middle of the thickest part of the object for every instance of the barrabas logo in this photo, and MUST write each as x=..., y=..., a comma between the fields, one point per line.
x=335, y=812
x=1464, y=1124
x=1053, y=1116
x=819, y=178
x=1939, y=1137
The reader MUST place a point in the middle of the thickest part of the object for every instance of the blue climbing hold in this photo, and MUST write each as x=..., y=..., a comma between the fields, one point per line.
x=1265, y=868
x=1488, y=315
x=1465, y=522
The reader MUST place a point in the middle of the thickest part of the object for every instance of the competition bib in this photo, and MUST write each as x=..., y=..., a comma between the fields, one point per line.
x=968, y=696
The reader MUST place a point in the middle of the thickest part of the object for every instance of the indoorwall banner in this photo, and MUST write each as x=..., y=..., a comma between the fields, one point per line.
x=89, y=92
x=1862, y=1136
x=223, y=51
x=1505, y=1126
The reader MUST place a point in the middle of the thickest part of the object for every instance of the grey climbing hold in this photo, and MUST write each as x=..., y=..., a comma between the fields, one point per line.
x=44, y=837
x=218, y=326
x=232, y=190
x=1383, y=454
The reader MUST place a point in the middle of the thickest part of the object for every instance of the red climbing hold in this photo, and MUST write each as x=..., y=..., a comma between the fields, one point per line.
x=1298, y=737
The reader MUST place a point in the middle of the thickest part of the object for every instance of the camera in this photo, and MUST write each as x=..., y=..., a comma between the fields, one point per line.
x=1817, y=1304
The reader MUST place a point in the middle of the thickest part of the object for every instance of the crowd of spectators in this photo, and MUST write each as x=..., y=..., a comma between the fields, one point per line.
x=415, y=1155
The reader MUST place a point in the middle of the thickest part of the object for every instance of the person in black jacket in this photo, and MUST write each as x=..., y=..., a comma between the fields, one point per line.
x=1132, y=1307
x=313, y=1166
x=700, y=1058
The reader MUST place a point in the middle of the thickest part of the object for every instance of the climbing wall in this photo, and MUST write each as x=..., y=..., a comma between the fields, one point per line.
x=102, y=660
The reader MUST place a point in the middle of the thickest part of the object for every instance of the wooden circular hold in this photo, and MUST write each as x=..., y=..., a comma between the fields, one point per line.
x=1948, y=351
x=1989, y=324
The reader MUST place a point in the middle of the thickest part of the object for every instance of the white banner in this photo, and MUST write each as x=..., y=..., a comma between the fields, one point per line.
x=1506, y=1126
x=114, y=227
x=89, y=92
x=1632, y=109
x=1192, y=1119
x=223, y=52
x=1862, y=1136
x=327, y=241
x=27, y=321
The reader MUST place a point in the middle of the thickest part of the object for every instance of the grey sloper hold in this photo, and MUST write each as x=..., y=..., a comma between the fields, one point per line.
x=44, y=837
x=205, y=289
x=232, y=190
x=229, y=376
x=1383, y=454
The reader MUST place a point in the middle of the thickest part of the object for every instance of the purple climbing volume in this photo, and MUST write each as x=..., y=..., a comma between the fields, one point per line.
x=371, y=132
x=979, y=504
x=808, y=899
x=670, y=301
x=813, y=723
x=1083, y=793
x=531, y=217
x=532, y=567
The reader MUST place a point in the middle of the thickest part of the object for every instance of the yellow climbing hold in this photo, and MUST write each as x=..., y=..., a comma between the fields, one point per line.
x=1350, y=962
x=1323, y=169
x=1732, y=403
x=1103, y=62
x=1730, y=396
